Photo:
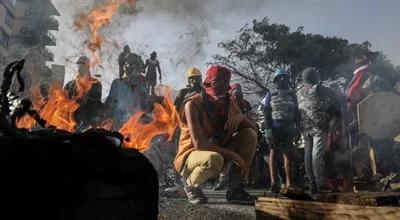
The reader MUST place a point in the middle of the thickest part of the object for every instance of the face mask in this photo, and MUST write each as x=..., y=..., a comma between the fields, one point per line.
x=281, y=82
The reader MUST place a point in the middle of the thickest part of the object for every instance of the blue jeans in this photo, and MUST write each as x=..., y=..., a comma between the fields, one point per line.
x=316, y=143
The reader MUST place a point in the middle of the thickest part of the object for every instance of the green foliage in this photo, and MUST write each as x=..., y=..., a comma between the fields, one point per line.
x=258, y=50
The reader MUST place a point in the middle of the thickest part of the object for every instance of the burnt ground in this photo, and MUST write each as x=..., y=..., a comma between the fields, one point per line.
x=175, y=206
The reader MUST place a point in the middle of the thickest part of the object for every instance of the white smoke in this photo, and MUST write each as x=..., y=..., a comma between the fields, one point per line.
x=184, y=33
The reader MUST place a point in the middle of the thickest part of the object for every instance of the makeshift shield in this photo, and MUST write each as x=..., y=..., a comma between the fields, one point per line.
x=379, y=115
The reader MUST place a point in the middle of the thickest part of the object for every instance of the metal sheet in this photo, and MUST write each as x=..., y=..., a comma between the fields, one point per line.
x=379, y=115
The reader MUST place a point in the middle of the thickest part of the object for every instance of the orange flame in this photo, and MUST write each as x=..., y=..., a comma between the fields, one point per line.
x=38, y=102
x=99, y=17
x=26, y=122
x=164, y=121
x=59, y=110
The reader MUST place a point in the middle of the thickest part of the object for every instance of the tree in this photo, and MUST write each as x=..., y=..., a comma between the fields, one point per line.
x=260, y=49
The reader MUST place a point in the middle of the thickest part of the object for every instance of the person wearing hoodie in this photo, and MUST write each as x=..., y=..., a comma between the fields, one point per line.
x=318, y=106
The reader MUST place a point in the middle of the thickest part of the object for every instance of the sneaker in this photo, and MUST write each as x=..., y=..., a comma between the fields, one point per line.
x=376, y=178
x=295, y=192
x=324, y=189
x=174, y=189
x=313, y=189
x=275, y=188
x=195, y=195
x=220, y=185
x=239, y=196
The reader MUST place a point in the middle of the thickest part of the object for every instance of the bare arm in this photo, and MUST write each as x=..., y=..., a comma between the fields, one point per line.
x=145, y=65
x=158, y=68
x=267, y=111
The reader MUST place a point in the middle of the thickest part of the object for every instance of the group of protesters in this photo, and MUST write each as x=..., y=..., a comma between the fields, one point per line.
x=219, y=136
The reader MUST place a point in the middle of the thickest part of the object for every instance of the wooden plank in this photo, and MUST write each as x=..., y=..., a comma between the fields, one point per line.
x=272, y=208
x=362, y=198
x=395, y=186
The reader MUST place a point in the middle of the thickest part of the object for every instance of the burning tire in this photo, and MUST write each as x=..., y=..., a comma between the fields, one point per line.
x=78, y=176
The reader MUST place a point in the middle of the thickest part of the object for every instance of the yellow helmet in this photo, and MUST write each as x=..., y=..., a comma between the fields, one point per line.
x=193, y=71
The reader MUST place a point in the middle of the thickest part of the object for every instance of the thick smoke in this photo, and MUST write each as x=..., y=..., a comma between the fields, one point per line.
x=184, y=33
x=177, y=30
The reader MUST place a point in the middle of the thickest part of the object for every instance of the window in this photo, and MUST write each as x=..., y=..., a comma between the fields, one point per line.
x=3, y=38
x=9, y=19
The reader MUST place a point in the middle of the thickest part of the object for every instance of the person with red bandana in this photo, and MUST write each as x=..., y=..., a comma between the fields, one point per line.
x=213, y=130
x=354, y=93
x=364, y=82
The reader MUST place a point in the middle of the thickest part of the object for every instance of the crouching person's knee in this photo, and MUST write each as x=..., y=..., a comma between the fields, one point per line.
x=214, y=162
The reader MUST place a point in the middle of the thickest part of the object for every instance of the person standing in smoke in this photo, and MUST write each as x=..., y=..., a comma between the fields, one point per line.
x=90, y=102
x=282, y=121
x=366, y=82
x=194, y=86
x=122, y=60
x=214, y=130
x=318, y=106
x=152, y=66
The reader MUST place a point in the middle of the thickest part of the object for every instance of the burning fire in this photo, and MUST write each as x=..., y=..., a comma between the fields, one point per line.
x=38, y=102
x=59, y=109
x=26, y=122
x=97, y=18
x=164, y=121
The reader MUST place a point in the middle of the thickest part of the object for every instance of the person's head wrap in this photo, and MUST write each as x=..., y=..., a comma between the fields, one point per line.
x=280, y=73
x=216, y=82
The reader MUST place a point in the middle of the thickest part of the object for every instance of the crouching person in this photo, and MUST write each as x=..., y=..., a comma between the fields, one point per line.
x=214, y=131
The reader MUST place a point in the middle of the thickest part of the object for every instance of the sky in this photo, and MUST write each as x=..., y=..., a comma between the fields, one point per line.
x=186, y=33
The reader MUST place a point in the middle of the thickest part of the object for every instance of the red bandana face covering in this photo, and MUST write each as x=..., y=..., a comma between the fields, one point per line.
x=216, y=82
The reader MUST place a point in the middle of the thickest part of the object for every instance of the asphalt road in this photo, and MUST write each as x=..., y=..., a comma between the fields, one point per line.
x=175, y=206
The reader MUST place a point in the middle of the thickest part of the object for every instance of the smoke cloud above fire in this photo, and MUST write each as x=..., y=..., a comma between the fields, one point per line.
x=184, y=33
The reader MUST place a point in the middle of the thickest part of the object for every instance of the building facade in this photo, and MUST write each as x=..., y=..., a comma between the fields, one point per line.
x=8, y=13
x=25, y=33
